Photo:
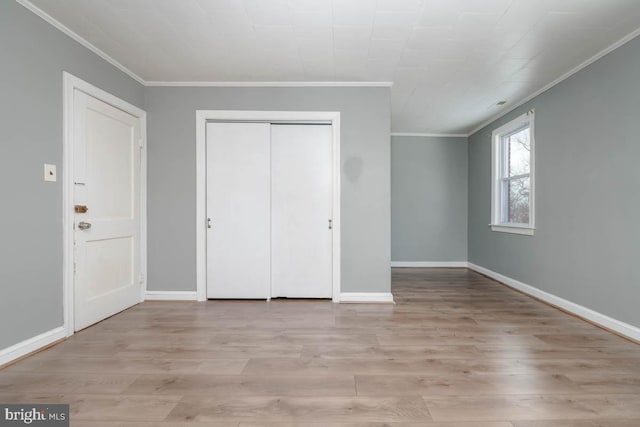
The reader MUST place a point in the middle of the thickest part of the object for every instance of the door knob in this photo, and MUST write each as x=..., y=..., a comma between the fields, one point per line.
x=84, y=225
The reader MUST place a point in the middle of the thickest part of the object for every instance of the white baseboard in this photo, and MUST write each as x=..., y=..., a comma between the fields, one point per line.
x=30, y=345
x=603, y=320
x=171, y=296
x=385, y=297
x=430, y=264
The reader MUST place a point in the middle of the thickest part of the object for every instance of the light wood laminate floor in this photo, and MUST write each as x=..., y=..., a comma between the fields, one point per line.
x=456, y=350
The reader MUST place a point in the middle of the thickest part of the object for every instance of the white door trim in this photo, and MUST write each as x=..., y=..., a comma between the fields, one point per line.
x=69, y=84
x=202, y=116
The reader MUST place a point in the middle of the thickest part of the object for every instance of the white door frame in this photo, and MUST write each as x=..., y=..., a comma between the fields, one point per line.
x=70, y=83
x=202, y=116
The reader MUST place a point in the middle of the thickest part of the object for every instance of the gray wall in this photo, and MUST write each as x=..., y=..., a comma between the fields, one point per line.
x=428, y=198
x=586, y=247
x=34, y=54
x=365, y=192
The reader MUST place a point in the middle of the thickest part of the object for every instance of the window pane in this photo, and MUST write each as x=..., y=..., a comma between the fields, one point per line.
x=517, y=203
x=518, y=152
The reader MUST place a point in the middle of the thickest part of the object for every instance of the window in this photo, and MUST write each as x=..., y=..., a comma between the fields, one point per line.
x=512, y=193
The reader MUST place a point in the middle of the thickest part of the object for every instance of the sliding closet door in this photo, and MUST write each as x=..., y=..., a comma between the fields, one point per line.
x=238, y=210
x=301, y=194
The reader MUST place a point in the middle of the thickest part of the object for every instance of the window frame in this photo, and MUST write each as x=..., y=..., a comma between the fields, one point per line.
x=498, y=175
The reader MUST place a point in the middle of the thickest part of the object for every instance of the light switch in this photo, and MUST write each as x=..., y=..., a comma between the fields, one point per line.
x=50, y=173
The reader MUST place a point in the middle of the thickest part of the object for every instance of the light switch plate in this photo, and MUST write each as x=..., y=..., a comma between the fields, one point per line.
x=50, y=173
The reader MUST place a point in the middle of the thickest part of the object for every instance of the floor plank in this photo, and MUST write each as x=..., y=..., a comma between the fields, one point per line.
x=216, y=385
x=464, y=384
x=378, y=424
x=301, y=409
x=103, y=407
x=532, y=407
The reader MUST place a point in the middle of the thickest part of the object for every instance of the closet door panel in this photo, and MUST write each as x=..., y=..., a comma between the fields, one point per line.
x=301, y=200
x=238, y=210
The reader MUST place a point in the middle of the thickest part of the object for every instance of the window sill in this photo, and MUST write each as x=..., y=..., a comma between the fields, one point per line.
x=513, y=229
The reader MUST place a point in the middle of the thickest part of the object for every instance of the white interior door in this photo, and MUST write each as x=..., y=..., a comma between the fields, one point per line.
x=238, y=210
x=301, y=194
x=107, y=236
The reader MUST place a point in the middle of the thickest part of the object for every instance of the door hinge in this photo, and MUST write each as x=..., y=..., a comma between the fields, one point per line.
x=330, y=224
x=141, y=278
x=140, y=143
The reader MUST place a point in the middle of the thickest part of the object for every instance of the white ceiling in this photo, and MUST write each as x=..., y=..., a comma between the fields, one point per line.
x=450, y=60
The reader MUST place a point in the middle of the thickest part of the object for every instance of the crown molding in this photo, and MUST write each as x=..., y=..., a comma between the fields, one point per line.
x=66, y=30
x=433, y=135
x=632, y=35
x=269, y=84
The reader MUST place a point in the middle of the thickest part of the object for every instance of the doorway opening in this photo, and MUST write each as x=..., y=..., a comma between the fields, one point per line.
x=104, y=203
x=275, y=138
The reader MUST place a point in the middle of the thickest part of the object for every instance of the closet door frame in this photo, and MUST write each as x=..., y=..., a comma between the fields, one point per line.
x=308, y=117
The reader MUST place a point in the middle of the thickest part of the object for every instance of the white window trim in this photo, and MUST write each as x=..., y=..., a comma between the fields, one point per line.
x=527, y=229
